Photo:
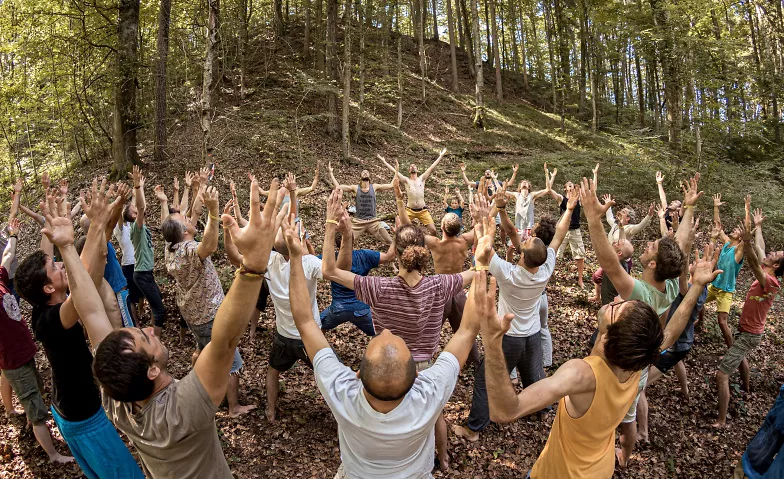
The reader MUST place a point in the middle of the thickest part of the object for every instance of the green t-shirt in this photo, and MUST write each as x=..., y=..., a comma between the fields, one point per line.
x=142, y=245
x=648, y=294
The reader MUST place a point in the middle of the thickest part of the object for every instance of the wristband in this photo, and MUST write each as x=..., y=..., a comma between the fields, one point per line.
x=213, y=217
x=244, y=271
x=481, y=268
x=688, y=206
x=332, y=222
x=136, y=187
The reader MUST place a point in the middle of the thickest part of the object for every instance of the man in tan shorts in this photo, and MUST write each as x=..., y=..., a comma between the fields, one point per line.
x=365, y=221
x=415, y=187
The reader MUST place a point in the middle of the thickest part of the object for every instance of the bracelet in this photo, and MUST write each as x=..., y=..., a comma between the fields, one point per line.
x=213, y=217
x=481, y=268
x=688, y=206
x=332, y=222
x=249, y=273
x=136, y=187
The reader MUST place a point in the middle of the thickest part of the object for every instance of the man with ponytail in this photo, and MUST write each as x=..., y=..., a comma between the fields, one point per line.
x=410, y=305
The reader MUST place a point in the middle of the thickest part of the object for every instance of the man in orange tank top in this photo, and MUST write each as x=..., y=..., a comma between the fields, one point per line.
x=593, y=393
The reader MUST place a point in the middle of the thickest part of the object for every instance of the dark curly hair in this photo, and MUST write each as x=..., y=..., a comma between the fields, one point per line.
x=669, y=260
x=544, y=229
x=634, y=339
x=31, y=278
x=122, y=371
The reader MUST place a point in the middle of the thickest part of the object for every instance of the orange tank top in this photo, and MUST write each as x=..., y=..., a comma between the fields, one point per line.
x=584, y=448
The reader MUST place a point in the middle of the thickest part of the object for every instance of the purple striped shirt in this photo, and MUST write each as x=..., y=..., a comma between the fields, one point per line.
x=413, y=313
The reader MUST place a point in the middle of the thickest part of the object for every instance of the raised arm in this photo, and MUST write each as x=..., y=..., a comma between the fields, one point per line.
x=309, y=189
x=702, y=274
x=717, y=204
x=550, y=182
x=185, y=200
x=605, y=253
x=660, y=187
x=9, y=253
x=138, y=195
x=32, y=214
x=751, y=254
x=328, y=265
x=232, y=253
x=506, y=223
x=460, y=199
x=255, y=241
x=691, y=195
x=446, y=197
x=15, y=199
x=346, y=243
x=432, y=167
x=563, y=224
x=335, y=184
x=163, y=201
x=609, y=202
x=176, y=194
x=633, y=230
x=393, y=169
x=759, y=240
x=299, y=298
x=514, y=176
x=236, y=205
x=479, y=300
x=209, y=242
x=470, y=184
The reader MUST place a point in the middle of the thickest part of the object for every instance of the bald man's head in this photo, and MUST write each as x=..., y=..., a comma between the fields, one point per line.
x=387, y=370
x=84, y=223
x=625, y=249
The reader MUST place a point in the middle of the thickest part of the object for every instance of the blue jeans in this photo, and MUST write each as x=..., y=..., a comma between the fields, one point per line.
x=767, y=444
x=152, y=293
x=203, y=335
x=334, y=316
x=97, y=447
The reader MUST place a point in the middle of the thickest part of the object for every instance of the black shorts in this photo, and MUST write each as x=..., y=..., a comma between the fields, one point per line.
x=285, y=352
x=668, y=359
x=261, y=302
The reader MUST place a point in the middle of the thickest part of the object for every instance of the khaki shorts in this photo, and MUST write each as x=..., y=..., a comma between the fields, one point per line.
x=27, y=385
x=631, y=415
x=423, y=216
x=371, y=227
x=723, y=299
x=422, y=365
x=743, y=344
x=575, y=240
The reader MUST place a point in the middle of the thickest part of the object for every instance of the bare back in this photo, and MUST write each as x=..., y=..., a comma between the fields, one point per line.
x=449, y=254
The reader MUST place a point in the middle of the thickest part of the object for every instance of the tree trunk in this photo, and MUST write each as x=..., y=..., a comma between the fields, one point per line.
x=459, y=18
x=553, y=67
x=320, y=34
x=277, y=22
x=468, y=26
x=499, y=92
x=243, y=43
x=490, y=57
x=421, y=6
x=399, y=70
x=640, y=88
x=523, y=54
x=208, y=81
x=435, y=20
x=331, y=67
x=479, y=114
x=452, y=52
x=306, y=40
x=362, y=27
x=670, y=71
x=513, y=36
x=164, y=14
x=345, y=127
x=125, y=114
x=583, y=56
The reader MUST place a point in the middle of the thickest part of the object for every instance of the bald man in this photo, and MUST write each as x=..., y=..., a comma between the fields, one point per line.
x=386, y=412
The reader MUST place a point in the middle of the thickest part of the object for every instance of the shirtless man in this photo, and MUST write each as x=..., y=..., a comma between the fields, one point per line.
x=366, y=219
x=449, y=254
x=415, y=188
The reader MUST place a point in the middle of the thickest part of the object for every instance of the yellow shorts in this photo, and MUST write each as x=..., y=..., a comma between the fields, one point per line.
x=723, y=299
x=422, y=215
x=372, y=227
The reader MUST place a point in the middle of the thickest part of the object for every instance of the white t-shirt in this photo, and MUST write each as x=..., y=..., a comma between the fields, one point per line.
x=278, y=273
x=524, y=211
x=399, y=444
x=122, y=233
x=520, y=292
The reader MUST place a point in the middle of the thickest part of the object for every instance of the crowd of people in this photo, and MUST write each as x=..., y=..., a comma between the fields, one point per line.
x=109, y=373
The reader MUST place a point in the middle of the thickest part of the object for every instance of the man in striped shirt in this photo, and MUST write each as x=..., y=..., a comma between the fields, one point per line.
x=409, y=305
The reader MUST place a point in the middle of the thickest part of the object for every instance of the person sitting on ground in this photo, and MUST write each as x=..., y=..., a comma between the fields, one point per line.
x=454, y=204
x=411, y=305
x=731, y=261
x=386, y=411
x=172, y=423
x=345, y=306
x=198, y=289
x=449, y=257
x=521, y=286
x=76, y=401
x=416, y=209
x=17, y=356
x=593, y=393
x=759, y=300
x=366, y=220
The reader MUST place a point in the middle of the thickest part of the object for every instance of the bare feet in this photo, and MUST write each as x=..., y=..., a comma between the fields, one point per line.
x=12, y=413
x=444, y=464
x=719, y=424
x=464, y=432
x=595, y=299
x=621, y=460
x=271, y=415
x=241, y=410
x=60, y=459
x=581, y=284
x=643, y=437
x=685, y=393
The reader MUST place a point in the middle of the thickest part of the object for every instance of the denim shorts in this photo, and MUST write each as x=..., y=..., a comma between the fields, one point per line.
x=203, y=335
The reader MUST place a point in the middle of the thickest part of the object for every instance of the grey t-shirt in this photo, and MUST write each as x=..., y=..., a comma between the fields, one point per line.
x=399, y=444
x=174, y=432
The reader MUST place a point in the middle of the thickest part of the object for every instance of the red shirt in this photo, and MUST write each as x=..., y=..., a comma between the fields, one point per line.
x=758, y=302
x=413, y=313
x=16, y=343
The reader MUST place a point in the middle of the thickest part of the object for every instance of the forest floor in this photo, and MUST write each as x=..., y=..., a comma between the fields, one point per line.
x=280, y=127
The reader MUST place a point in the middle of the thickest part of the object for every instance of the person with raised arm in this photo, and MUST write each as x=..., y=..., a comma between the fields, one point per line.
x=521, y=286
x=387, y=411
x=57, y=322
x=411, y=305
x=593, y=393
x=731, y=261
x=454, y=204
x=345, y=306
x=198, y=289
x=487, y=185
x=144, y=254
x=524, y=201
x=172, y=422
x=17, y=355
x=767, y=269
x=416, y=209
x=366, y=220
x=673, y=211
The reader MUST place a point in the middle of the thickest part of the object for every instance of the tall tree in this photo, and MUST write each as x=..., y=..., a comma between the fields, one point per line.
x=208, y=79
x=452, y=49
x=345, y=128
x=419, y=7
x=331, y=68
x=125, y=113
x=164, y=15
x=479, y=114
x=499, y=92
x=435, y=20
x=668, y=56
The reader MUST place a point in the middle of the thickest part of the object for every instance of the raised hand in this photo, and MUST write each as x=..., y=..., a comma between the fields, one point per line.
x=608, y=199
x=462, y=167
x=442, y=154
x=703, y=269
x=204, y=176
x=99, y=209
x=481, y=305
x=58, y=227
x=228, y=207
x=396, y=188
x=176, y=184
x=290, y=183
x=293, y=240
x=13, y=227
x=484, y=246
x=344, y=226
x=691, y=193
x=45, y=181
x=255, y=239
x=335, y=205
x=160, y=194
x=18, y=186
x=500, y=197
x=747, y=205
x=479, y=209
x=717, y=200
x=623, y=218
x=652, y=209
x=189, y=178
x=209, y=199
x=659, y=177
x=758, y=217
x=661, y=211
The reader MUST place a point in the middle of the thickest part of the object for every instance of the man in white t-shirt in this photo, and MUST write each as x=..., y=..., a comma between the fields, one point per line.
x=386, y=412
x=521, y=286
